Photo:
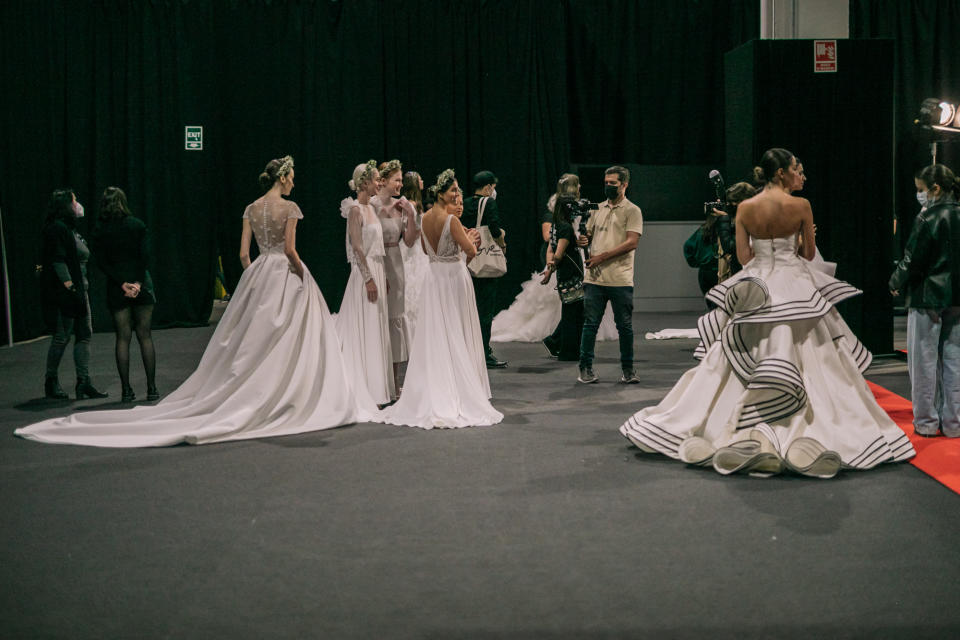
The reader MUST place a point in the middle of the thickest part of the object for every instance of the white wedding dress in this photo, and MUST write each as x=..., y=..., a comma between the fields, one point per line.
x=775, y=357
x=446, y=383
x=415, y=265
x=364, y=326
x=272, y=367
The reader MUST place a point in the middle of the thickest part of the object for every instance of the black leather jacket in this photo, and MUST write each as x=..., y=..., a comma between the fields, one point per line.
x=929, y=273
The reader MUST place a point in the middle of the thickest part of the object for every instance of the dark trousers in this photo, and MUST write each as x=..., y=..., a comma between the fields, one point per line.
x=707, y=279
x=485, y=292
x=595, y=300
x=570, y=331
x=63, y=327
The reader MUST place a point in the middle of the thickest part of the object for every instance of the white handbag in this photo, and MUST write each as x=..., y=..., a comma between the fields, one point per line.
x=489, y=261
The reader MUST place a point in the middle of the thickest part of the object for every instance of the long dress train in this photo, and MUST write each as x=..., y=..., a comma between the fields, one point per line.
x=273, y=366
x=447, y=383
x=775, y=356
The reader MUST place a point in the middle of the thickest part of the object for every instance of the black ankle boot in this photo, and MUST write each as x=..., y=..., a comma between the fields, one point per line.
x=85, y=389
x=127, y=395
x=152, y=393
x=52, y=389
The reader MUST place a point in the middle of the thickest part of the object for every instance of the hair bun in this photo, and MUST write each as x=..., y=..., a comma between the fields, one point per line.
x=758, y=175
x=265, y=180
x=352, y=184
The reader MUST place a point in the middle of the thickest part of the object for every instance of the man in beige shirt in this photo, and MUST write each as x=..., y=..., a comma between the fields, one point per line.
x=612, y=234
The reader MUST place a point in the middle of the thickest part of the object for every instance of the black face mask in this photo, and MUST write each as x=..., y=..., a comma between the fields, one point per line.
x=611, y=192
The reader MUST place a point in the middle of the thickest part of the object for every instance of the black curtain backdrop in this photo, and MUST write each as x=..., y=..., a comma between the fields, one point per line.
x=927, y=65
x=98, y=93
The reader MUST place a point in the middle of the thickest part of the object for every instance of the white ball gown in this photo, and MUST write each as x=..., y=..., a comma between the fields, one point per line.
x=273, y=366
x=446, y=383
x=779, y=364
x=363, y=325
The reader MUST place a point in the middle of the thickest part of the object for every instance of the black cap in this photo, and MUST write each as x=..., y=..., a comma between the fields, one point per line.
x=483, y=178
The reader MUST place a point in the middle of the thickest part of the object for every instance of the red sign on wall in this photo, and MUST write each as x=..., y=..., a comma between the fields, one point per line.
x=824, y=56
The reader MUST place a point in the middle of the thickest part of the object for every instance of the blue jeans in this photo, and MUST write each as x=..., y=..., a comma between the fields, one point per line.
x=933, y=360
x=595, y=300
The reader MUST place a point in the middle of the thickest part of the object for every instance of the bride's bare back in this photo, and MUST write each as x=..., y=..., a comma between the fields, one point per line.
x=773, y=213
x=431, y=228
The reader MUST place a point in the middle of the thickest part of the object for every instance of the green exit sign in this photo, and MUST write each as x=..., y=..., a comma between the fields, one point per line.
x=193, y=138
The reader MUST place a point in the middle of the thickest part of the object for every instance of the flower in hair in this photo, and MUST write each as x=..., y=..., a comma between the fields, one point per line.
x=390, y=167
x=444, y=180
x=365, y=176
x=286, y=164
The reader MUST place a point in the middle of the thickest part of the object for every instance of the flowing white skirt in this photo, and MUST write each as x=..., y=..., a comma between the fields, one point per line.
x=415, y=265
x=365, y=333
x=535, y=313
x=776, y=356
x=273, y=367
x=446, y=383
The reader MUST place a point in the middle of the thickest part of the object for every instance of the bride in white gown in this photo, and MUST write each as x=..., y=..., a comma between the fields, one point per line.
x=364, y=321
x=780, y=382
x=447, y=384
x=273, y=366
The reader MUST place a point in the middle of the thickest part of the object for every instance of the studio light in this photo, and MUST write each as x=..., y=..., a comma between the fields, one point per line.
x=939, y=118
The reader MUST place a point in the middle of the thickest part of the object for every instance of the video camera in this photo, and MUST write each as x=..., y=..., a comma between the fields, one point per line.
x=583, y=208
x=721, y=202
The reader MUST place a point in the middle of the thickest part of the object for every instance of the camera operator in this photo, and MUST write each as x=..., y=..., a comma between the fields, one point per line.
x=563, y=257
x=711, y=249
x=612, y=235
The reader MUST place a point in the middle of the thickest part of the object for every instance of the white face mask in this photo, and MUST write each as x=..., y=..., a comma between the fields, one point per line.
x=922, y=198
x=493, y=194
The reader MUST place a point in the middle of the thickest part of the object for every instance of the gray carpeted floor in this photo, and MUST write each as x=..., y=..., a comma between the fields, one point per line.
x=545, y=526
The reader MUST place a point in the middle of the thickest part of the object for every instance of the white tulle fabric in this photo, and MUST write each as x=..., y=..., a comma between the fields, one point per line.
x=446, y=384
x=363, y=325
x=415, y=265
x=273, y=367
x=777, y=356
x=535, y=313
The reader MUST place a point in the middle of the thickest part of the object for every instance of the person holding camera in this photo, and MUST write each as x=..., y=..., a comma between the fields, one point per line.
x=712, y=248
x=64, y=258
x=485, y=289
x=563, y=257
x=611, y=234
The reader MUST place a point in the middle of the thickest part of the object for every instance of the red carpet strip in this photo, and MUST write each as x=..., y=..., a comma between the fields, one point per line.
x=938, y=457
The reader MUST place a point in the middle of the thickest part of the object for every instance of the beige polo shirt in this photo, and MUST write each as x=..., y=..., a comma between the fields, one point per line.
x=609, y=226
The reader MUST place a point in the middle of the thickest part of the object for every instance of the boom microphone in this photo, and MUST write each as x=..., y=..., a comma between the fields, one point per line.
x=717, y=181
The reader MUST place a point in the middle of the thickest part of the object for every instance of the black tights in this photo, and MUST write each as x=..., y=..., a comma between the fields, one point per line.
x=125, y=322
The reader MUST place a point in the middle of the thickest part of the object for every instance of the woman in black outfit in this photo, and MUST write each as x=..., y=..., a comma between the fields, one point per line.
x=121, y=251
x=66, y=307
x=564, y=258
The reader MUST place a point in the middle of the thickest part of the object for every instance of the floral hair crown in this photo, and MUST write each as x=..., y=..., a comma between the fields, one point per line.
x=286, y=164
x=365, y=176
x=444, y=180
x=390, y=167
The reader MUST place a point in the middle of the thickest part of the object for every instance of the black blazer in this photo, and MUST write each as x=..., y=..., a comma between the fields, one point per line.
x=121, y=249
x=60, y=245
